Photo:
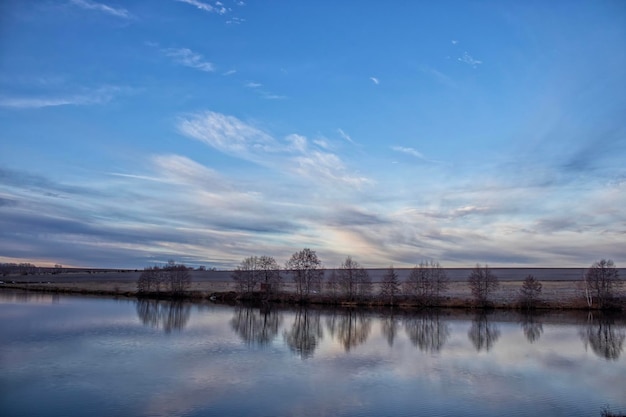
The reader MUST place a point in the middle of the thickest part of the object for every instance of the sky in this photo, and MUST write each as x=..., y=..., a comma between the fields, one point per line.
x=133, y=132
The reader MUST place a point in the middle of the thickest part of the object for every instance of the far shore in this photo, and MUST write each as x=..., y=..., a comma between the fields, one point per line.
x=217, y=286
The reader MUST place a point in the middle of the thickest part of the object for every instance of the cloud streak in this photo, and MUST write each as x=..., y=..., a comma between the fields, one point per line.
x=92, y=5
x=188, y=58
x=218, y=8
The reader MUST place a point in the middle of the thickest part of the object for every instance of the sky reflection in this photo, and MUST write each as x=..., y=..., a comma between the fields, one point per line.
x=165, y=358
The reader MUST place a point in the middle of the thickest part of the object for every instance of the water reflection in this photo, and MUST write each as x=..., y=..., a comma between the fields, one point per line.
x=483, y=333
x=353, y=328
x=21, y=296
x=256, y=325
x=605, y=337
x=167, y=314
x=389, y=326
x=305, y=332
x=427, y=331
x=531, y=326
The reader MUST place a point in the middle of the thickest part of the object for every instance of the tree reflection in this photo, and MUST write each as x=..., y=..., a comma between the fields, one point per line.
x=305, y=332
x=531, y=326
x=353, y=328
x=427, y=331
x=389, y=326
x=604, y=336
x=483, y=333
x=166, y=314
x=256, y=326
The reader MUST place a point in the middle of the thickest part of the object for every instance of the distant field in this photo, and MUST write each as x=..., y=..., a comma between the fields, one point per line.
x=454, y=274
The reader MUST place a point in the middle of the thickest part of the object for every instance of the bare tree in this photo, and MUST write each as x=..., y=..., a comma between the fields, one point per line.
x=332, y=284
x=151, y=280
x=247, y=275
x=426, y=282
x=530, y=292
x=269, y=273
x=601, y=281
x=354, y=281
x=482, y=283
x=390, y=287
x=177, y=277
x=305, y=268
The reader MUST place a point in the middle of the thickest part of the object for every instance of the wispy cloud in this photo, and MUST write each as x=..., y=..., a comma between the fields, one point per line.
x=252, y=84
x=230, y=72
x=188, y=58
x=98, y=96
x=218, y=7
x=408, y=151
x=375, y=80
x=293, y=155
x=92, y=5
x=344, y=135
x=454, y=42
x=469, y=60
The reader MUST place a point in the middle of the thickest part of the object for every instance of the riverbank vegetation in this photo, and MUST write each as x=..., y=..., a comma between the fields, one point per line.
x=305, y=280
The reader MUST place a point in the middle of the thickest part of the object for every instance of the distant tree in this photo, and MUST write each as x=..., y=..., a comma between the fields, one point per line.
x=246, y=275
x=426, y=282
x=307, y=272
x=530, y=292
x=332, y=284
x=177, y=277
x=269, y=274
x=150, y=280
x=482, y=283
x=354, y=281
x=390, y=287
x=601, y=281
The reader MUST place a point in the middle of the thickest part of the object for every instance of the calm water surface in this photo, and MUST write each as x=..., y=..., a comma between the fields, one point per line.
x=75, y=356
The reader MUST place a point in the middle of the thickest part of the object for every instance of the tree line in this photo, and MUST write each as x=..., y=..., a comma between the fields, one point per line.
x=426, y=284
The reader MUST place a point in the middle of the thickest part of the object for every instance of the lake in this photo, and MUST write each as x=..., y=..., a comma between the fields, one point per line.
x=76, y=356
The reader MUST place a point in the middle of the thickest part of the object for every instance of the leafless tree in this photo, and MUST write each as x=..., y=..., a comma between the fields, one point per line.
x=269, y=272
x=390, y=287
x=332, y=284
x=354, y=281
x=152, y=279
x=247, y=275
x=530, y=293
x=307, y=272
x=177, y=277
x=482, y=283
x=426, y=282
x=601, y=282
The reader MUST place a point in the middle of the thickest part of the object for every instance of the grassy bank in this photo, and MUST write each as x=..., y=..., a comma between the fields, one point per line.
x=563, y=295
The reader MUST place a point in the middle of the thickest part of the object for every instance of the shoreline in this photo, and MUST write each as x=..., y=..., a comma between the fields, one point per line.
x=559, y=295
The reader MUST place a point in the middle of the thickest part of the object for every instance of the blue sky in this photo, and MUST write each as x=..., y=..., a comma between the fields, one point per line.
x=134, y=132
